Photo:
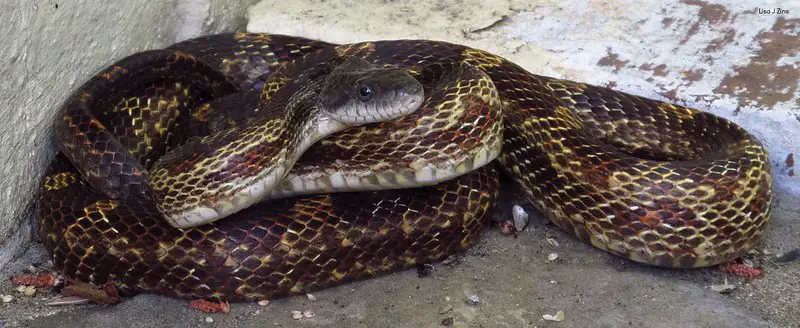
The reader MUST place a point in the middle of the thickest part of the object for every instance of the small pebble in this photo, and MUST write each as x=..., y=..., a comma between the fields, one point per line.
x=473, y=300
x=553, y=282
x=309, y=314
x=209, y=319
x=552, y=256
x=447, y=298
x=552, y=241
x=297, y=314
x=29, y=291
x=558, y=317
x=263, y=302
x=7, y=298
x=521, y=218
x=311, y=297
x=448, y=321
x=21, y=288
x=724, y=287
x=256, y=312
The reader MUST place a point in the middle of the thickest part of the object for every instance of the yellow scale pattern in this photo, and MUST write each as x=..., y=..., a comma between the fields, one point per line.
x=642, y=179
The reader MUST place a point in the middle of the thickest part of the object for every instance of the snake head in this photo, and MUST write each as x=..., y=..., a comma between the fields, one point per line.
x=357, y=92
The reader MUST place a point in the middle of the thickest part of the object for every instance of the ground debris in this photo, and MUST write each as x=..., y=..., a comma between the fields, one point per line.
x=742, y=270
x=507, y=228
x=424, y=270
x=452, y=260
x=210, y=306
x=521, y=218
x=66, y=300
x=449, y=321
x=473, y=300
x=29, y=291
x=36, y=279
x=788, y=257
x=558, y=317
x=724, y=287
x=105, y=295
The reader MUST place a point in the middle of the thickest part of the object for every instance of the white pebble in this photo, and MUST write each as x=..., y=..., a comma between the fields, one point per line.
x=558, y=317
x=552, y=256
x=263, y=302
x=311, y=297
x=21, y=288
x=297, y=314
x=209, y=319
x=7, y=298
x=521, y=218
x=309, y=314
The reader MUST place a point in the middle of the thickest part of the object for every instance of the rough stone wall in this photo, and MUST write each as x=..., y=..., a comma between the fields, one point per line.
x=50, y=47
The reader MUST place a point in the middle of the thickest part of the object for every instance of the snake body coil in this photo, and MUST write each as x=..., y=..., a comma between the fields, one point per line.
x=646, y=180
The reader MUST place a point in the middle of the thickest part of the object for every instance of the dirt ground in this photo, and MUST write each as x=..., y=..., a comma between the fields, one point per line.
x=515, y=282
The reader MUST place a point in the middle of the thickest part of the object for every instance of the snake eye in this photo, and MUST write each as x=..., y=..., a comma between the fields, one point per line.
x=364, y=93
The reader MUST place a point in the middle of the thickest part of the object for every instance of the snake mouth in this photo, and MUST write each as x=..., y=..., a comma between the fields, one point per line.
x=398, y=104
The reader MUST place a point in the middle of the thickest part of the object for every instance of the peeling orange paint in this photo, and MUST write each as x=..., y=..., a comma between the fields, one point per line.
x=612, y=59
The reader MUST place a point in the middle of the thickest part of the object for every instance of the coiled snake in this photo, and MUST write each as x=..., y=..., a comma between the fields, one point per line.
x=643, y=179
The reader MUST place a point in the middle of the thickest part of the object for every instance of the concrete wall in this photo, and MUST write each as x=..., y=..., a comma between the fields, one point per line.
x=48, y=48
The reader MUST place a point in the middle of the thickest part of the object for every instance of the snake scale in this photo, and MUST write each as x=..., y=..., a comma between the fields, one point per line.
x=642, y=179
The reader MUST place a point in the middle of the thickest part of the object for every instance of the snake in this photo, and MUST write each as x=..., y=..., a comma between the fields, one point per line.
x=645, y=180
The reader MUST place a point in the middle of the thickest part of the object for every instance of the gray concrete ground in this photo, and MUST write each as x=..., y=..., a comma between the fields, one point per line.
x=515, y=282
